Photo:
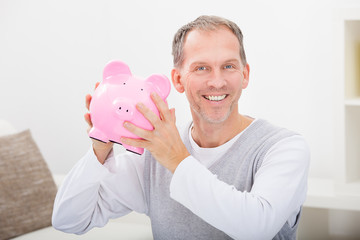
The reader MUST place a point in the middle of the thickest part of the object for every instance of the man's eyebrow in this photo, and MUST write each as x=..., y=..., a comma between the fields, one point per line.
x=197, y=63
x=232, y=60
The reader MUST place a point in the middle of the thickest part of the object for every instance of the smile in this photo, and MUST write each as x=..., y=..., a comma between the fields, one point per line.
x=215, y=98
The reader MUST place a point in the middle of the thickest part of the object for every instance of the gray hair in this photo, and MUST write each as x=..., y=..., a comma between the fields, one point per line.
x=206, y=23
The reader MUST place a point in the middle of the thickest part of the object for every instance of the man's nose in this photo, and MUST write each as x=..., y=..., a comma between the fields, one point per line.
x=216, y=79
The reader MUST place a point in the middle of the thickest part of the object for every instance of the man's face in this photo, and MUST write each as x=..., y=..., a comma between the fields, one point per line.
x=212, y=74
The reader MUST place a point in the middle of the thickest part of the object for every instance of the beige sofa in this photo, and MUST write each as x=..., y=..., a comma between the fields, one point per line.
x=132, y=226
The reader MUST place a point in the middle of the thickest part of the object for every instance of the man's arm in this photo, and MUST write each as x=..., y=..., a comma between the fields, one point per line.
x=93, y=193
x=278, y=192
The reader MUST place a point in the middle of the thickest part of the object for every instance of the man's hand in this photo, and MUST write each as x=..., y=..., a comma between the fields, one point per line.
x=164, y=141
x=101, y=149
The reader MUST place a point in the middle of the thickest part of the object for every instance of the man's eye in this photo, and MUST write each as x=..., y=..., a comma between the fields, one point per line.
x=201, y=68
x=229, y=67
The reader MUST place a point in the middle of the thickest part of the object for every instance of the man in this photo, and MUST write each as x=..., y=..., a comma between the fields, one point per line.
x=222, y=176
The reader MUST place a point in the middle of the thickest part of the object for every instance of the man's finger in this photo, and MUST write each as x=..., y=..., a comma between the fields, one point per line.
x=141, y=133
x=97, y=84
x=161, y=106
x=148, y=114
x=141, y=143
x=172, y=111
x=88, y=119
x=88, y=100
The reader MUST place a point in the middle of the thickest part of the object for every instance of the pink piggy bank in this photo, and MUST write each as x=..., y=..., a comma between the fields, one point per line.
x=114, y=101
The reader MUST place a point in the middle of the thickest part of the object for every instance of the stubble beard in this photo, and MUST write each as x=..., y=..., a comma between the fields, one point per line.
x=205, y=116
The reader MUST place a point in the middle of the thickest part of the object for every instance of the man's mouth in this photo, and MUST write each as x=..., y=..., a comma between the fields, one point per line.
x=215, y=98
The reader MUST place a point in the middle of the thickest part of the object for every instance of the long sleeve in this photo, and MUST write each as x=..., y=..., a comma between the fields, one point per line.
x=278, y=192
x=93, y=193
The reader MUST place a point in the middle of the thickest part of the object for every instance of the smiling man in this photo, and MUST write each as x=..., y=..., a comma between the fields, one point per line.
x=222, y=176
x=213, y=76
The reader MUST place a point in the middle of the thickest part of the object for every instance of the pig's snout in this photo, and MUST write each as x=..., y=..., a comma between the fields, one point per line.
x=124, y=109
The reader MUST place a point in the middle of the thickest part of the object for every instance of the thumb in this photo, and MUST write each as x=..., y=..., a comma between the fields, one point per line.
x=173, y=116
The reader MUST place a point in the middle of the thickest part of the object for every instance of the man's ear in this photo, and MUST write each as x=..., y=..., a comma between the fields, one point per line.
x=246, y=74
x=175, y=78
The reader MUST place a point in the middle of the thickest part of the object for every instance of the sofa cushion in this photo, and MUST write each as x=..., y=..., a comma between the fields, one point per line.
x=27, y=189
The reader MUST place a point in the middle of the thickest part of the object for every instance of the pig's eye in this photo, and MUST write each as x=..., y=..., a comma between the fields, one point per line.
x=142, y=89
x=124, y=83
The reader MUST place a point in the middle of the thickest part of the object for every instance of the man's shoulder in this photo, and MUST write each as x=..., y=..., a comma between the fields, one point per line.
x=262, y=134
x=260, y=124
x=268, y=126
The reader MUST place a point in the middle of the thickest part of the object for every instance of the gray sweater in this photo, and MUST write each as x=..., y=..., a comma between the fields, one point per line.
x=171, y=220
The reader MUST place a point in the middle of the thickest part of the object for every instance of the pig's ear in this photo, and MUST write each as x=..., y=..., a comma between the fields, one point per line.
x=160, y=83
x=115, y=68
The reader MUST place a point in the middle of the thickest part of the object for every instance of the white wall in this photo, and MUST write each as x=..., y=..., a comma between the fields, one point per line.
x=53, y=52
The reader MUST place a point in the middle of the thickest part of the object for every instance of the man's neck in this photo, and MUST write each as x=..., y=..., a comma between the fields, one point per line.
x=209, y=135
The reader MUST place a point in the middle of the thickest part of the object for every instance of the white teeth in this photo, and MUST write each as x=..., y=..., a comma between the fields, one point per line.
x=215, y=98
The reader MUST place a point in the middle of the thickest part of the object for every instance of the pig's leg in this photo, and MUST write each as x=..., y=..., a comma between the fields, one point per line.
x=136, y=150
x=98, y=135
